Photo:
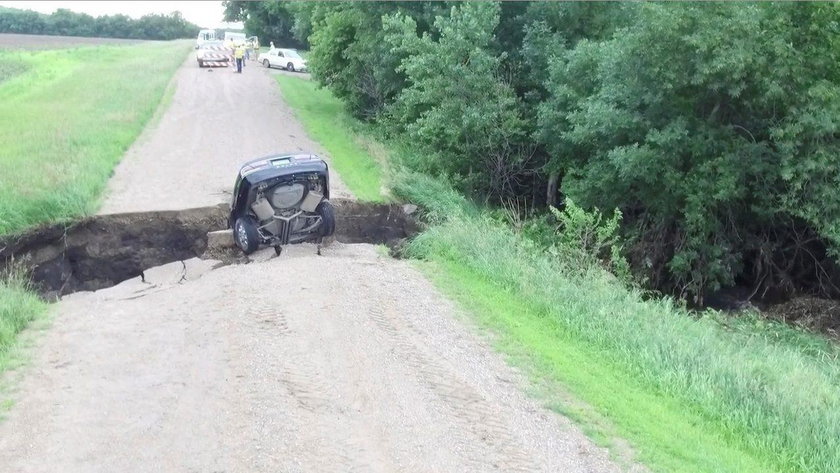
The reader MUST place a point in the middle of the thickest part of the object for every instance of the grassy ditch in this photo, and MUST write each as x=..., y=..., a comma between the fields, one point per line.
x=18, y=307
x=68, y=119
x=688, y=392
x=325, y=120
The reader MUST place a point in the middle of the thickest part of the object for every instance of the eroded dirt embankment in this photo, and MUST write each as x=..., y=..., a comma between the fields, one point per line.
x=104, y=250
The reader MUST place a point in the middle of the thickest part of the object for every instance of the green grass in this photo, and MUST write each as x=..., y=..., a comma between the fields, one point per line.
x=67, y=121
x=325, y=120
x=690, y=394
x=18, y=307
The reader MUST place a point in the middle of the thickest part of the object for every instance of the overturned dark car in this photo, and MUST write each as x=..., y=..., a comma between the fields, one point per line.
x=281, y=199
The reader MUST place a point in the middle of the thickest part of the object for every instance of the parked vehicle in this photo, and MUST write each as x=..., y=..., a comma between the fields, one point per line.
x=205, y=36
x=213, y=53
x=281, y=199
x=288, y=59
x=237, y=38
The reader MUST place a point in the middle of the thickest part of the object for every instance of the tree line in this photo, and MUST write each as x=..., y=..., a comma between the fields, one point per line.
x=64, y=22
x=712, y=128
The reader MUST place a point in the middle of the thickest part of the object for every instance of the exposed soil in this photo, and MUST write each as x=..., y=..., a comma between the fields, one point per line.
x=812, y=313
x=34, y=41
x=104, y=250
x=348, y=361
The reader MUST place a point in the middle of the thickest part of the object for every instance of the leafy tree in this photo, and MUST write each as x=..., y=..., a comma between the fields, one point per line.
x=269, y=20
x=456, y=104
x=69, y=23
x=711, y=127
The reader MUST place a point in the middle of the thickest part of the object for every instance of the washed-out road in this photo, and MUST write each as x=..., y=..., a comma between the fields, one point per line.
x=349, y=361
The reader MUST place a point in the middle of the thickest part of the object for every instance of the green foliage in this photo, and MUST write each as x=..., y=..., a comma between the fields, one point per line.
x=349, y=53
x=692, y=121
x=271, y=21
x=713, y=128
x=456, y=106
x=18, y=307
x=67, y=23
x=325, y=120
x=585, y=239
x=11, y=65
x=691, y=393
x=72, y=115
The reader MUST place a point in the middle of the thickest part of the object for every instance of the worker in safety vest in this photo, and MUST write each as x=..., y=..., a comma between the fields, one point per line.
x=239, y=55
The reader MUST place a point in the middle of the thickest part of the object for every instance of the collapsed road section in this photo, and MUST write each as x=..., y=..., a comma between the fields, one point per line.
x=101, y=251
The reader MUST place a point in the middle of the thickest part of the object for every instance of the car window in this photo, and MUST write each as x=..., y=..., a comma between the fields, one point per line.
x=293, y=54
x=279, y=54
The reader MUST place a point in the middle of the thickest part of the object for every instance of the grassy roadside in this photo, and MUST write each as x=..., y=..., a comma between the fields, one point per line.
x=326, y=122
x=69, y=118
x=688, y=393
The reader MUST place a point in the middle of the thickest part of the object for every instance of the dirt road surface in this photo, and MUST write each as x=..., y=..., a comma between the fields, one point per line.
x=217, y=120
x=349, y=361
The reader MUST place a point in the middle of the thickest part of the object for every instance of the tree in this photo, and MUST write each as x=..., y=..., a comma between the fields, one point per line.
x=271, y=21
x=456, y=104
x=682, y=120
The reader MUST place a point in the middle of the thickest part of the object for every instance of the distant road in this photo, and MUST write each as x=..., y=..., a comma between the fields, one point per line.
x=36, y=41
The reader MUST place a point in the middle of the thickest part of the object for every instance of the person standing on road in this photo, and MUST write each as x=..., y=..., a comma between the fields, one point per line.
x=239, y=54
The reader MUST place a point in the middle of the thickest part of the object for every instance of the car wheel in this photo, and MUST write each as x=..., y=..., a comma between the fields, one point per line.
x=266, y=63
x=245, y=235
x=327, y=213
x=200, y=63
x=290, y=67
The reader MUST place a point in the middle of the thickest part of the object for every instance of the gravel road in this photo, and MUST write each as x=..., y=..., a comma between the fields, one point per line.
x=350, y=361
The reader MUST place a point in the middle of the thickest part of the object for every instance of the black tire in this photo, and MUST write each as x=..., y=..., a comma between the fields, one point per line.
x=245, y=235
x=327, y=213
x=200, y=63
x=290, y=67
x=266, y=63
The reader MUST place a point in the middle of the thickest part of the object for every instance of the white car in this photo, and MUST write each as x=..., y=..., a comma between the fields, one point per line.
x=288, y=59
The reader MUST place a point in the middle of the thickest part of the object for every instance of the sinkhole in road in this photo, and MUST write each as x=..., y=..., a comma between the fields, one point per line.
x=103, y=250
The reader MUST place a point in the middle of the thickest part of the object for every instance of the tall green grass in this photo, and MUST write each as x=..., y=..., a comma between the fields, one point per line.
x=68, y=118
x=689, y=393
x=18, y=307
x=327, y=122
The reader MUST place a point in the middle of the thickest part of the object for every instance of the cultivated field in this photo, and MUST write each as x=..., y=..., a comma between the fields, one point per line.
x=69, y=116
x=35, y=42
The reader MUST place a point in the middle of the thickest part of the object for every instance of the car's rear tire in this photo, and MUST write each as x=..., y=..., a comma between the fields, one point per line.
x=290, y=67
x=245, y=235
x=327, y=213
x=266, y=63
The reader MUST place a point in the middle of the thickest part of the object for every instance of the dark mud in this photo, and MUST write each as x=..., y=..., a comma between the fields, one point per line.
x=104, y=250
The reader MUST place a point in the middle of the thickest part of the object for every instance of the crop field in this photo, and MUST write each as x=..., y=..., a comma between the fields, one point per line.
x=36, y=42
x=68, y=117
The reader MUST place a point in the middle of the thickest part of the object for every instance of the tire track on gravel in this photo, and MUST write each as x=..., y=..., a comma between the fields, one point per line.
x=476, y=414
